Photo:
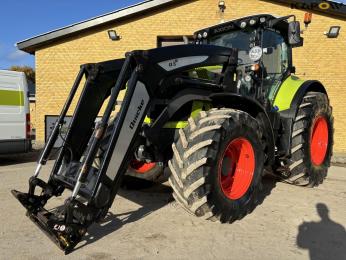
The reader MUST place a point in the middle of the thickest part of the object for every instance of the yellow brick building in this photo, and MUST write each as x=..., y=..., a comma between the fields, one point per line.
x=60, y=53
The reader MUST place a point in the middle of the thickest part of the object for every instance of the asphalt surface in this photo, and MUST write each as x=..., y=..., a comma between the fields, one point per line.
x=291, y=223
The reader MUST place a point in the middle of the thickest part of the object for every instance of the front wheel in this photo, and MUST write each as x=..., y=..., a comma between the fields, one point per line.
x=216, y=169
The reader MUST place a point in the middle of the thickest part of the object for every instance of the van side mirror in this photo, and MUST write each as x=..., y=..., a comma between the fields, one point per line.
x=294, y=38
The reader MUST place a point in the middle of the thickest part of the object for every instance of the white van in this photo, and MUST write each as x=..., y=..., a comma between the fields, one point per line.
x=14, y=113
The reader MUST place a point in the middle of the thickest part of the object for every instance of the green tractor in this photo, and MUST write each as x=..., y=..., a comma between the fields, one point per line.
x=219, y=113
x=277, y=123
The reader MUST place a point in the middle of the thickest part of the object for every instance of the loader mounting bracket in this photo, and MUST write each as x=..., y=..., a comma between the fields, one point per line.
x=66, y=225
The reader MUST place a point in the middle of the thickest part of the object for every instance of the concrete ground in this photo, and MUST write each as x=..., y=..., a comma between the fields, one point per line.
x=291, y=223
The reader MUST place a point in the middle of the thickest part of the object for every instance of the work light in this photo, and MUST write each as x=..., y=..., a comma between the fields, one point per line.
x=112, y=34
x=333, y=32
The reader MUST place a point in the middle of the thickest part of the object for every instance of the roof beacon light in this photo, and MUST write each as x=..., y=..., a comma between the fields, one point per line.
x=307, y=19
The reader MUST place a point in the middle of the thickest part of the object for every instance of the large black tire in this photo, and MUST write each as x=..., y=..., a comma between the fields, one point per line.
x=300, y=168
x=132, y=175
x=196, y=164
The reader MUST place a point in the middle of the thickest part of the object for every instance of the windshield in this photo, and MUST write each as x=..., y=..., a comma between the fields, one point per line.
x=242, y=40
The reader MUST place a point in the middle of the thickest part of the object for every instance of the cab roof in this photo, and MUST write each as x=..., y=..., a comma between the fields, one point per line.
x=236, y=25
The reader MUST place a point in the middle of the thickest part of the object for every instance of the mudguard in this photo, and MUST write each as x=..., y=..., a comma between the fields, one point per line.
x=287, y=101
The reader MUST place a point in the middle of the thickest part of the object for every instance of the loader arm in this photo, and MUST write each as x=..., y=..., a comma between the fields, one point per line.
x=94, y=188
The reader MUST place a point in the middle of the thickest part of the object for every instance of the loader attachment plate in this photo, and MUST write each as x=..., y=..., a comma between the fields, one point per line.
x=53, y=224
x=64, y=236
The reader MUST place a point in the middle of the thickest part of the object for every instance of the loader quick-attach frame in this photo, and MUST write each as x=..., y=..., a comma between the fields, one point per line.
x=142, y=74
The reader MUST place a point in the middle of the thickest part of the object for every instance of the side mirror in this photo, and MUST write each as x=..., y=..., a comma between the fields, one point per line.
x=294, y=38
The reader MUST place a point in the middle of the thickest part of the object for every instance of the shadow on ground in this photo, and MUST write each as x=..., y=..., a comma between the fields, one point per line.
x=11, y=159
x=324, y=239
x=33, y=156
x=150, y=199
x=269, y=183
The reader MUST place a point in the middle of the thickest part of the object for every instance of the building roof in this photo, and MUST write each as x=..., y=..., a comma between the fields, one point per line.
x=32, y=44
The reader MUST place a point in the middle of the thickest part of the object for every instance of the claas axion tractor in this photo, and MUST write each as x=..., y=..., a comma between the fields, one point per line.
x=218, y=113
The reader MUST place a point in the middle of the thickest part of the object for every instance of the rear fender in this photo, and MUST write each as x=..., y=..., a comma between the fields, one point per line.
x=288, y=115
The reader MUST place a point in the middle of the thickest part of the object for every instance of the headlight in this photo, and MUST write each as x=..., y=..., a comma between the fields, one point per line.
x=248, y=78
x=262, y=19
x=205, y=34
x=243, y=25
x=199, y=36
x=252, y=22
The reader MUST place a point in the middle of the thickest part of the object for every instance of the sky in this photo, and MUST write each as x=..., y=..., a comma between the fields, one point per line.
x=22, y=19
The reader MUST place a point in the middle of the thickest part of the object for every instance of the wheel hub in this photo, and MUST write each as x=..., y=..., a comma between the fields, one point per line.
x=236, y=168
x=319, y=140
x=141, y=167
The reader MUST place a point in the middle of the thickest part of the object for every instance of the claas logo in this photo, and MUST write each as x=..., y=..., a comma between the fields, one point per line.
x=316, y=6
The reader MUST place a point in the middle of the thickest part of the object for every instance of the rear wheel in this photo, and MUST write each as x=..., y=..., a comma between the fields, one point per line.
x=216, y=170
x=148, y=172
x=312, y=142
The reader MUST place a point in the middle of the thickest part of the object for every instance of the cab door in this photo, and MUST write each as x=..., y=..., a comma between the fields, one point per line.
x=276, y=60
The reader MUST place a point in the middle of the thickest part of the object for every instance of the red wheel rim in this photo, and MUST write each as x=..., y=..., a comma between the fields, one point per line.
x=236, y=168
x=319, y=141
x=141, y=167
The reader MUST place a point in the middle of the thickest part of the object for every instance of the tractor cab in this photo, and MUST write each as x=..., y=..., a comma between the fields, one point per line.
x=264, y=45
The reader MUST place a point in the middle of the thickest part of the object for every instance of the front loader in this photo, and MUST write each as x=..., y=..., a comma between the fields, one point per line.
x=218, y=113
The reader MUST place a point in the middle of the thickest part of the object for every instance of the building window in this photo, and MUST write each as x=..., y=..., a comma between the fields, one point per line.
x=164, y=41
